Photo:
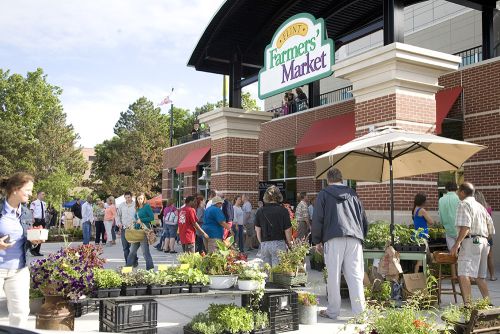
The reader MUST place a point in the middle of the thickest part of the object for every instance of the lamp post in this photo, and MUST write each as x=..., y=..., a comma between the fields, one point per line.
x=206, y=178
x=171, y=119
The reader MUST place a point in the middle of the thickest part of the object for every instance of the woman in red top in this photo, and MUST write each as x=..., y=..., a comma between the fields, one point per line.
x=188, y=224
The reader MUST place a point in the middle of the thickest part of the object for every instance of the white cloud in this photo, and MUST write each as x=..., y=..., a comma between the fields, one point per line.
x=62, y=26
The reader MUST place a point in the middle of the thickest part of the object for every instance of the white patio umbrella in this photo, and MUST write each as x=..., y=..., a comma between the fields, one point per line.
x=390, y=153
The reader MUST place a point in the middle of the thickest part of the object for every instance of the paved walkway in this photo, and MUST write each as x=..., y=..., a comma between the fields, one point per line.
x=173, y=313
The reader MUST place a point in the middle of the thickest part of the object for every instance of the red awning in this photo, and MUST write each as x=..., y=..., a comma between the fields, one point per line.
x=191, y=161
x=445, y=99
x=326, y=134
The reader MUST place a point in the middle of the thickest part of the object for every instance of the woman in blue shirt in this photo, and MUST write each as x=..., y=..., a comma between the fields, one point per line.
x=144, y=216
x=421, y=220
x=14, y=273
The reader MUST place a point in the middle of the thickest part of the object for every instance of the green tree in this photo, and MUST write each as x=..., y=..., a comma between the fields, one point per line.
x=248, y=103
x=34, y=136
x=132, y=159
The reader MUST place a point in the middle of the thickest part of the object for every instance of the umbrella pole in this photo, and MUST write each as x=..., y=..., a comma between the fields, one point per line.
x=391, y=182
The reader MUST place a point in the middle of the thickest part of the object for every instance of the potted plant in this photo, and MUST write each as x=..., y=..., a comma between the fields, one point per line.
x=219, y=268
x=261, y=323
x=142, y=282
x=308, y=308
x=378, y=292
x=290, y=270
x=197, y=280
x=36, y=300
x=63, y=276
x=252, y=275
x=458, y=317
x=129, y=284
x=223, y=319
x=192, y=259
x=317, y=261
x=108, y=283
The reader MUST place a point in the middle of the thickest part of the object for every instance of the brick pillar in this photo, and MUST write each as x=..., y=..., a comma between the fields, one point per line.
x=235, y=150
x=305, y=181
x=395, y=85
x=190, y=184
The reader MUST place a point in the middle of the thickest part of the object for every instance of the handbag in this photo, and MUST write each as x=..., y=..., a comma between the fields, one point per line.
x=150, y=235
x=132, y=235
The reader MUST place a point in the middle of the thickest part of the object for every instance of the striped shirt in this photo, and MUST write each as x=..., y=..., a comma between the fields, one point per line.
x=471, y=214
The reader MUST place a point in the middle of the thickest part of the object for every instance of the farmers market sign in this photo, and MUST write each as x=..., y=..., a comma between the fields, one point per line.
x=299, y=53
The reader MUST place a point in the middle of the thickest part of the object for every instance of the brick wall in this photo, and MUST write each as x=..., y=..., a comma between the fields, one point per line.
x=480, y=106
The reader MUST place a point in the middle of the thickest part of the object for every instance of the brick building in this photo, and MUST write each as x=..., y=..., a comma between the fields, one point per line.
x=392, y=85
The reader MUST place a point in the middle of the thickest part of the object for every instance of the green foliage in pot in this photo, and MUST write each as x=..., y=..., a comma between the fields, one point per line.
x=130, y=279
x=163, y=278
x=307, y=299
x=224, y=319
x=261, y=320
x=292, y=261
x=107, y=278
x=379, y=291
x=192, y=259
x=194, y=276
x=317, y=257
x=215, y=264
x=325, y=275
x=460, y=314
x=35, y=293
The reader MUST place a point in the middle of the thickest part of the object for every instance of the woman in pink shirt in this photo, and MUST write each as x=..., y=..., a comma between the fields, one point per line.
x=109, y=218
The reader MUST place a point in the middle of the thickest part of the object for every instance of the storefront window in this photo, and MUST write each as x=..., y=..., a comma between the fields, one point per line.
x=456, y=176
x=283, y=167
x=178, y=188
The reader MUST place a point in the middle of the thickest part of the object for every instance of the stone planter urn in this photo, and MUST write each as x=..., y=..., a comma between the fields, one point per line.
x=56, y=314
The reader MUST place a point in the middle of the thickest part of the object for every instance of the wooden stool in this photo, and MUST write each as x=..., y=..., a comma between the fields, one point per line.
x=441, y=259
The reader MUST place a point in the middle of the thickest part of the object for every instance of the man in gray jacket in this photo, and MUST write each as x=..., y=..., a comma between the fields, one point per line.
x=339, y=228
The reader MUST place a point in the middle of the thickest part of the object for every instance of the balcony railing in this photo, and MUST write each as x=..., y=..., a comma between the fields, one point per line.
x=337, y=95
x=471, y=56
x=191, y=137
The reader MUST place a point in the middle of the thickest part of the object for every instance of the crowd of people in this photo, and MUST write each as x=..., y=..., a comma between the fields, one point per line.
x=336, y=225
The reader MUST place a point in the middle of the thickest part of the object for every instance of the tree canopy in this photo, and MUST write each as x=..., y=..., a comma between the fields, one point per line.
x=34, y=135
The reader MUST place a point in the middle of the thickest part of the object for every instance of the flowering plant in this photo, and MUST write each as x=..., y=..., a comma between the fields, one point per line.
x=254, y=270
x=67, y=272
x=307, y=299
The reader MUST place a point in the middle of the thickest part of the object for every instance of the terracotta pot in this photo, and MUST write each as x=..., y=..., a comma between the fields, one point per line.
x=56, y=314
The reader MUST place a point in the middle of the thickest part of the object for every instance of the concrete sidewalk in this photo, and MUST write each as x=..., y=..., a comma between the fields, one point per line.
x=174, y=313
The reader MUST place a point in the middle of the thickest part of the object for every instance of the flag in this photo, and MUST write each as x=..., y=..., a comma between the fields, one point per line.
x=165, y=101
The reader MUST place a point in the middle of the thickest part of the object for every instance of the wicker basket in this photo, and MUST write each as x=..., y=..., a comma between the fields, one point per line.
x=444, y=258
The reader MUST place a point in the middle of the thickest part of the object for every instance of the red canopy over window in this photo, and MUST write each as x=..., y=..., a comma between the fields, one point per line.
x=445, y=99
x=326, y=134
x=191, y=161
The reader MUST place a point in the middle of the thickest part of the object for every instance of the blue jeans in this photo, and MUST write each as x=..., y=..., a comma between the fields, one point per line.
x=241, y=238
x=126, y=249
x=86, y=228
x=145, y=251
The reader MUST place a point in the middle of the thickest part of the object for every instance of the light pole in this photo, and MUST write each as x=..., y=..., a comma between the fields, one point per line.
x=171, y=119
x=206, y=178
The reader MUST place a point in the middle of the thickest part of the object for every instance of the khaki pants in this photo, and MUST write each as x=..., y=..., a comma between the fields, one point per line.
x=16, y=285
x=211, y=244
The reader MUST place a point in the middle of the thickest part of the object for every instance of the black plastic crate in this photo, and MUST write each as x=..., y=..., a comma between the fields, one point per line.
x=284, y=323
x=276, y=303
x=84, y=306
x=122, y=315
x=144, y=330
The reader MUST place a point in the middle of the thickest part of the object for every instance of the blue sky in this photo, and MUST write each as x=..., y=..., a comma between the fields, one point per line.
x=105, y=54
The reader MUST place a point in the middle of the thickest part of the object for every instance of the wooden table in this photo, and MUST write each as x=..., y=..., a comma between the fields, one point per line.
x=369, y=254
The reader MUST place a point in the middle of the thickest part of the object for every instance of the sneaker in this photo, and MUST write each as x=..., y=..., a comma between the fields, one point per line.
x=173, y=252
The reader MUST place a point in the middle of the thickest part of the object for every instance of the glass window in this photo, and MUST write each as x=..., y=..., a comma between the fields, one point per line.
x=456, y=176
x=291, y=164
x=291, y=192
x=277, y=165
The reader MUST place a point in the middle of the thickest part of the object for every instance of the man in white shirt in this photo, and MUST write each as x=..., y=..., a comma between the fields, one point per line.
x=87, y=219
x=125, y=216
x=39, y=211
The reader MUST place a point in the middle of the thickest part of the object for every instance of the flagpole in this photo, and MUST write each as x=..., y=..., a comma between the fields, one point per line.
x=171, y=120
